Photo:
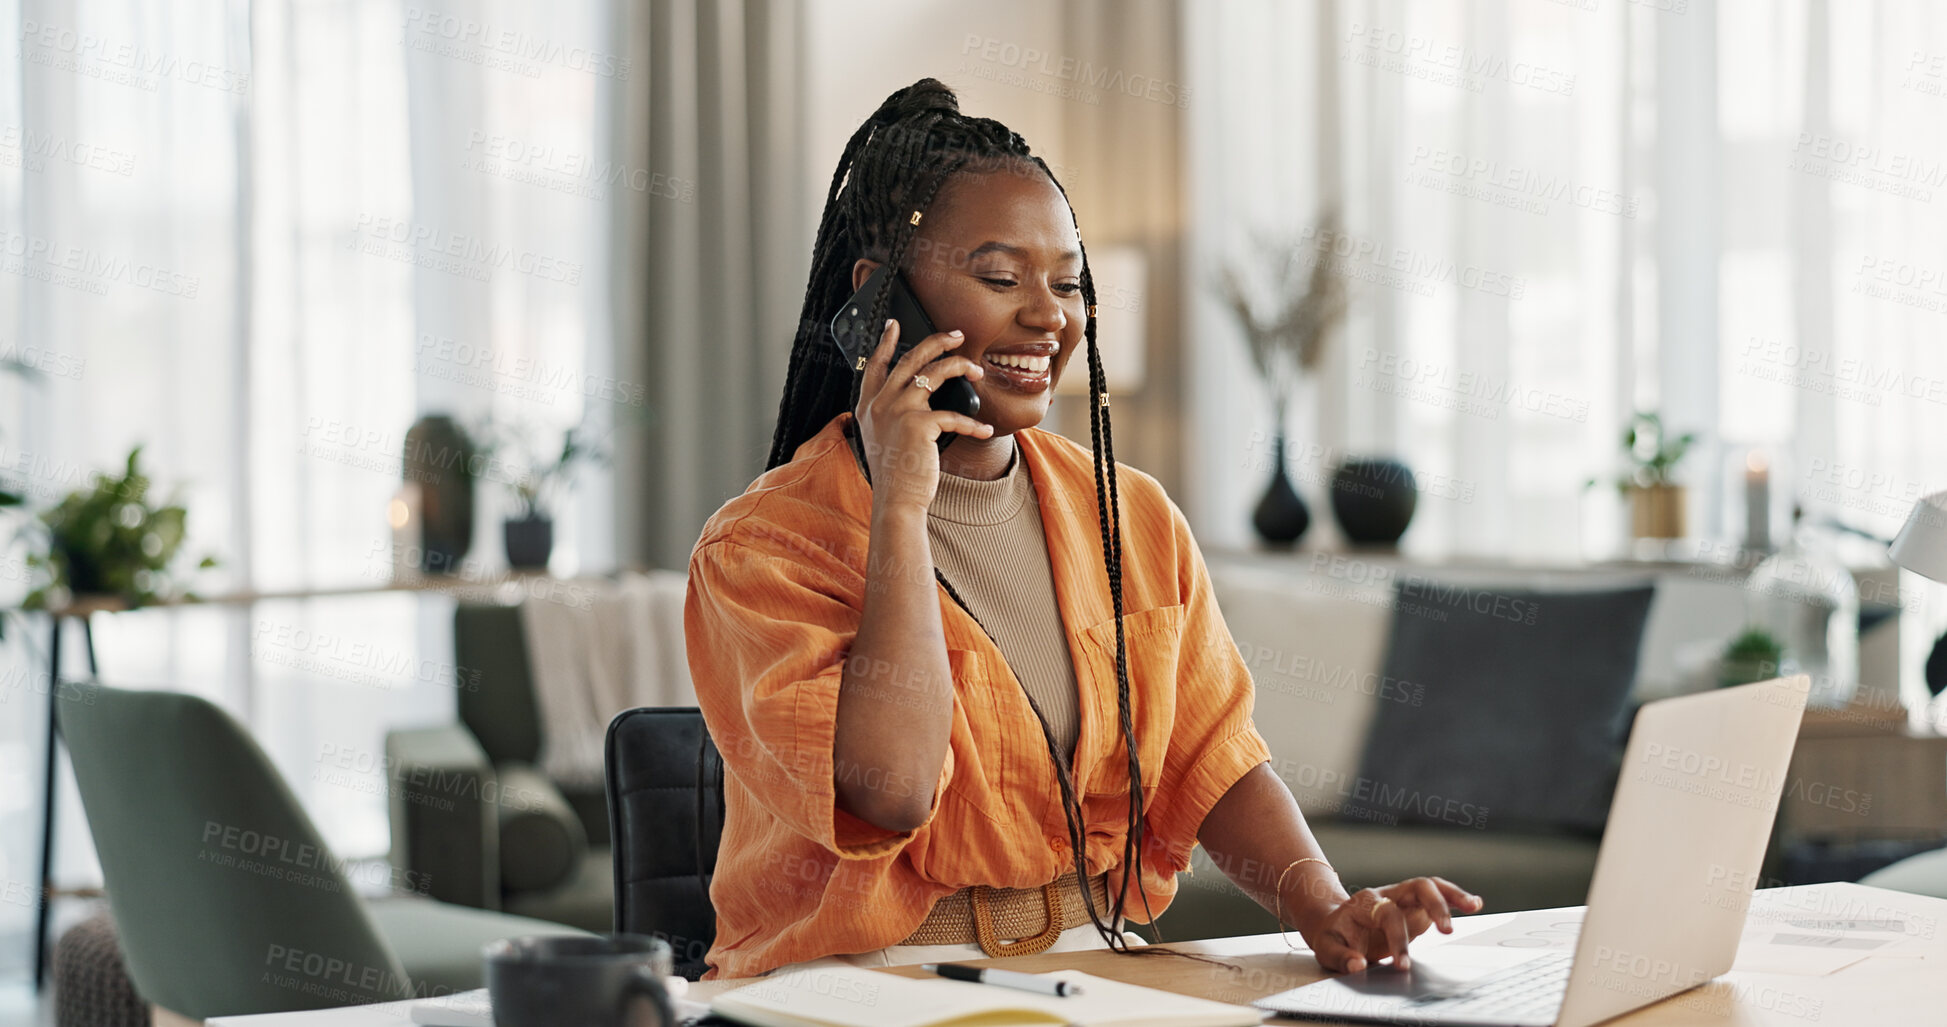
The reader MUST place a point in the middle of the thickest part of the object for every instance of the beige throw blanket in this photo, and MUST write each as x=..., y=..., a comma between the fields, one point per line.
x=622, y=649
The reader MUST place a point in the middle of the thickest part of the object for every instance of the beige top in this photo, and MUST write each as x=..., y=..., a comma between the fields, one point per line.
x=988, y=543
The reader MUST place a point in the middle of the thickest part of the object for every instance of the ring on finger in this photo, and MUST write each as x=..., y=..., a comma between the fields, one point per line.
x=1378, y=904
x=922, y=381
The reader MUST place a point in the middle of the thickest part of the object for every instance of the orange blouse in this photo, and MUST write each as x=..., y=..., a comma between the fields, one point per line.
x=777, y=584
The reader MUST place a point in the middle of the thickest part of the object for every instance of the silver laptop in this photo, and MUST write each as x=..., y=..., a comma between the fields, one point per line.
x=1701, y=779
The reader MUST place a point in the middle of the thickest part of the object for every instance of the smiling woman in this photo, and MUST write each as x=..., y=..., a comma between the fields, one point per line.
x=958, y=714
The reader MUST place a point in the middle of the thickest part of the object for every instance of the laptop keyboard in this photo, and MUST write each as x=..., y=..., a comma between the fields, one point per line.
x=1526, y=991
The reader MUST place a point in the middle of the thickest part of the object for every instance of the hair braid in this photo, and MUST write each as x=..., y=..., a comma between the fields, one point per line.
x=893, y=166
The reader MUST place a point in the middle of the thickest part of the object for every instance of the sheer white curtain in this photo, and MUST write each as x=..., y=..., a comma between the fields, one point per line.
x=259, y=239
x=1557, y=213
x=1832, y=269
x=1477, y=152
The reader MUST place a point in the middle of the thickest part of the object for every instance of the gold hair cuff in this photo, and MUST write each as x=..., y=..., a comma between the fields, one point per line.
x=860, y=366
x=915, y=218
x=1091, y=310
x=1105, y=399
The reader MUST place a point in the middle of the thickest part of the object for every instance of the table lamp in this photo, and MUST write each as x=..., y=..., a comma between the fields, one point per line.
x=1921, y=547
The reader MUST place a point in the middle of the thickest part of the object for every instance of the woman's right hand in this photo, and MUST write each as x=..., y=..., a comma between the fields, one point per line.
x=899, y=430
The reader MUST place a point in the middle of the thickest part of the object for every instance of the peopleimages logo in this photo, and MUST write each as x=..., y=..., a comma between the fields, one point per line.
x=434, y=28
x=1368, y=799
x=1069, y=69
x=79, y=267
x=453, y=252
x=1533, y=187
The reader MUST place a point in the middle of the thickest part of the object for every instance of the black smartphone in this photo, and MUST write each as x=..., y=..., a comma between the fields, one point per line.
x=856, y=337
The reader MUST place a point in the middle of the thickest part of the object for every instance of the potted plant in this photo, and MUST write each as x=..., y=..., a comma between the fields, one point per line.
x=108, y=541
x=1286, y=342
x=8, y=496
x=1754, y=655
x=1656, y=501
x=535, y=480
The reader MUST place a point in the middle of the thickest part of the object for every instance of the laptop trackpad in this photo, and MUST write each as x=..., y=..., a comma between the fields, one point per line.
x=1387, y=994
x=1441, y=973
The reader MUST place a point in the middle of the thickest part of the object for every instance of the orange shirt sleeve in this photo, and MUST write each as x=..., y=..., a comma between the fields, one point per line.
x=1213, y=741
x=768, y=635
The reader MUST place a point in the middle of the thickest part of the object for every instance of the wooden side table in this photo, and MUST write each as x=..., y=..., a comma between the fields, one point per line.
x=1853, y=780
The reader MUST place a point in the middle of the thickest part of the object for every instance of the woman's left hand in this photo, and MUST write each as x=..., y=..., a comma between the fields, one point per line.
x=1376, y=923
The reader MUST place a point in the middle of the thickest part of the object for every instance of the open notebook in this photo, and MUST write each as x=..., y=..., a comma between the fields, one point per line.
x=845, y=997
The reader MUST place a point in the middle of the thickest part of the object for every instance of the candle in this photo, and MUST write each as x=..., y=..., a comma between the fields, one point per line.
x=1757, y=502
x=406, y=518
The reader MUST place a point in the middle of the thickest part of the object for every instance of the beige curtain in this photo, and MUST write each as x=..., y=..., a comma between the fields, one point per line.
x=708, y=288
x=1124, y=174
x=708, y=258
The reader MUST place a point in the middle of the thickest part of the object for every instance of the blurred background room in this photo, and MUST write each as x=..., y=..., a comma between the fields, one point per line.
x=356, y=349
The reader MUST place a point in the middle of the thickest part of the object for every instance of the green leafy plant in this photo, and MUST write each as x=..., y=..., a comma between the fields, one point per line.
x=1754, y=655
x=1653, y=455
x=536, y=475
x=26, y=372
x=109, y=539
x=8, y=496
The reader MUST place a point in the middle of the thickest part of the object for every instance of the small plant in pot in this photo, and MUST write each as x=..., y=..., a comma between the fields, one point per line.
x=108, y=541
x=535, y=481
x=8, y=496
x=1754, y=655
x=1656, y=501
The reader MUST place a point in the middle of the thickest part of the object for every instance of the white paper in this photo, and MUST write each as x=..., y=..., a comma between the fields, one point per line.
x=1535, y=931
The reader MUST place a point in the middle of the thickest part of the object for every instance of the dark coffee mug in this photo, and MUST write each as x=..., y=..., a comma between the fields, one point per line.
x=614, y=980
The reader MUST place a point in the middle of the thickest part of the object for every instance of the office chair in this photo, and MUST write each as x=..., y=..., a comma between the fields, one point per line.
x=665, y=807
x=227, y=900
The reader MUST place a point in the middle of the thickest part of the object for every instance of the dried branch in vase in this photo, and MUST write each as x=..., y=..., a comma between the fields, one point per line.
x=1287, y=332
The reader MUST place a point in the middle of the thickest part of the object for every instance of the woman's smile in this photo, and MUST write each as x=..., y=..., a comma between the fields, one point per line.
x=1028, y=369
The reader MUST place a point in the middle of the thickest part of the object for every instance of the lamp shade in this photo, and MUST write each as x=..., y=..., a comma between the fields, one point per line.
x=1121, y=283
x=1921, y=546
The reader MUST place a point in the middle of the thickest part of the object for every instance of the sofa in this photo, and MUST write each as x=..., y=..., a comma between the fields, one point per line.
x=1316, y=636
x=472, y=815
x=1317, y=646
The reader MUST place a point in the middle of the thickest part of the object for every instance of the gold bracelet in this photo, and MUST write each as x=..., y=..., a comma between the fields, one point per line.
x=1277, y=898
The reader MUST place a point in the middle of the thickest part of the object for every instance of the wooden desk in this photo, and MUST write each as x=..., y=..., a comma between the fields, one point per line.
x=1908, y=990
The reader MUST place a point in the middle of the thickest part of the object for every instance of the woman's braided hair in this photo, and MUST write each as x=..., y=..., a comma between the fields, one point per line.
x=892, y=168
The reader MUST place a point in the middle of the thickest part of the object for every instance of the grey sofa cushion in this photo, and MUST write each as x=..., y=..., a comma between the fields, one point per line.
x=494, y=686
x=1509, y=870
x=541, y=839
x=1521, y=722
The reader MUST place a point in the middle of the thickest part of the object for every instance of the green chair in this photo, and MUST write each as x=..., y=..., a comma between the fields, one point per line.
x=227, y=900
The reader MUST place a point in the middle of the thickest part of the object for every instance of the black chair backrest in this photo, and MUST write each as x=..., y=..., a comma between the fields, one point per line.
x=665, y=810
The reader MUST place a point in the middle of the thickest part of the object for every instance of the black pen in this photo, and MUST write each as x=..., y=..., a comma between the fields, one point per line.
x=1004, y=978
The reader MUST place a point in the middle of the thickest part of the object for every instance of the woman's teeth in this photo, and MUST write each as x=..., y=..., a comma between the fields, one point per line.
x=1031, y=365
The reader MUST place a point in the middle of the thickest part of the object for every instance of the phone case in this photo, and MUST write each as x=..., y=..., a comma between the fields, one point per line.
x=856, y=336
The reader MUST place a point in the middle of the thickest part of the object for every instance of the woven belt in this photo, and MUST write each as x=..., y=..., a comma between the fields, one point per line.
x=1034, y=917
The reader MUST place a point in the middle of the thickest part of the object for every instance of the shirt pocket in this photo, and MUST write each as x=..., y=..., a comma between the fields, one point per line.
x=1153, y=640
x=981, y=770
